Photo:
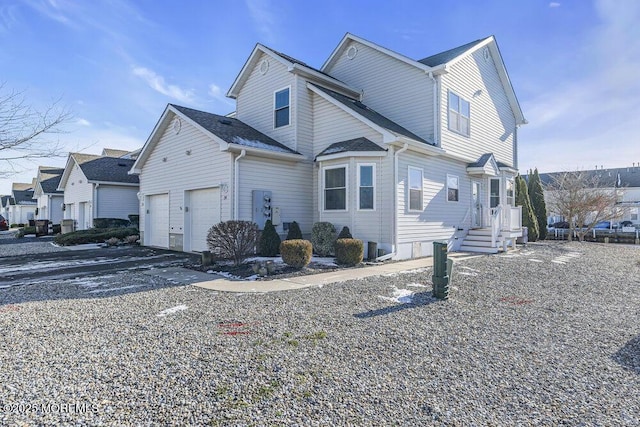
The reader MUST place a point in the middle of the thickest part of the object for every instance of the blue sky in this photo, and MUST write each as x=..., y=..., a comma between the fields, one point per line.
x=116, y=64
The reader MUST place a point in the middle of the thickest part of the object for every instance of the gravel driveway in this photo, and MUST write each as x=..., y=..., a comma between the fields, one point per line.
x=548, y=335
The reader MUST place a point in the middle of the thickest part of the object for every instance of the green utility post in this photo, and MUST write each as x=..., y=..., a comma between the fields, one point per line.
x=440, y=277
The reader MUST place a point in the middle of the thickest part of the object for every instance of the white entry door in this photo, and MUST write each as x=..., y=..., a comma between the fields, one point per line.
x=204, y=212
x=157, y=221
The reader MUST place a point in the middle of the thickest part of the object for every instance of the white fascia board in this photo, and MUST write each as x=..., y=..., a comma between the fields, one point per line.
x=422, y=147
x=251, y=61
x=152, y=140
x=341, y=155
x=259, y=152
x=350, y=37
x=334, y=84
x=386, y=135
x=123, y=184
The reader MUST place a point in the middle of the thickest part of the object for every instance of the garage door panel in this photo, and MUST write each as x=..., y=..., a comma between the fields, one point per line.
x=157, y=224
x=204, y=212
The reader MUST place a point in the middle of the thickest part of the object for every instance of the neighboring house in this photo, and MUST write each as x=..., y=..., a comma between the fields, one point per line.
x=624, y=181
x=113, y=152
x=3, y=210
x=20, y=207
x=403, y=152
x=98, y=187
x=49, y=199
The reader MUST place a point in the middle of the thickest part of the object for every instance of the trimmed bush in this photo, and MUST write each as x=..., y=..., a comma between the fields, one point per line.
x=269, y=241
x=134, y=220
x=345, y=233
x=296, y=252
x=349, y=251
x=93, y=235
x=110, y=222
x=24, y=231
x=323, y=236
x=294, y=231
x=114, y=241
x=234, y=240
x=132, y=240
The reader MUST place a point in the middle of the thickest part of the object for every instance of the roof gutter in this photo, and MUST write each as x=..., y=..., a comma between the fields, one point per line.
x=264, y=153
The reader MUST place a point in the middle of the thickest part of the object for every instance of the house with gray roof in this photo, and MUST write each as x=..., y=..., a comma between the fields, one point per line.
x=98, y=187
x=404, y=152
x=20, y=206
x=49, y=199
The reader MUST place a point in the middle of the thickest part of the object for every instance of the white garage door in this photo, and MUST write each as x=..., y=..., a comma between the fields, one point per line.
x=204, y=212
x=157, y=221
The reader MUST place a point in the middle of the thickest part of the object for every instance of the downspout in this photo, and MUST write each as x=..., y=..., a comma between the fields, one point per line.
x=95, y=203
x=404, y=148
x=236, y=179
x=434, y=96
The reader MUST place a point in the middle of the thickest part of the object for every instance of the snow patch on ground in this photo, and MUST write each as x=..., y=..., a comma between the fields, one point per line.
x=230, y=276
x=417, y=285
x=172, y=310
x=101, y=291
x=399, y=296
x=535, y=260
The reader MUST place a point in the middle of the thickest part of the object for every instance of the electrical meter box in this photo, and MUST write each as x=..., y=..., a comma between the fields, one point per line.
x=261, y=207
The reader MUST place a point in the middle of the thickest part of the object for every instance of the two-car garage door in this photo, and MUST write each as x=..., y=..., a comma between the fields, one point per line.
x=202, y=210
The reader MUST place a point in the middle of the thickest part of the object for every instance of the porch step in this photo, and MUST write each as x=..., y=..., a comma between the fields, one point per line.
x=479, y=232
x=478, y=237
x=480, y=243
x=479, y=249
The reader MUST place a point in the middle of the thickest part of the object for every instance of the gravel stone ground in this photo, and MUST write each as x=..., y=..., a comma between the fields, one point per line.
x=548, y=335
x=10, y=246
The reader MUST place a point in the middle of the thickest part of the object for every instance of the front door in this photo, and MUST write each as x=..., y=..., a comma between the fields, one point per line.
x=476, y=206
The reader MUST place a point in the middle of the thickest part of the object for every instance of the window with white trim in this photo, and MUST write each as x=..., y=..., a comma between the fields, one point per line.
x=415, y=189
x=510, y=192
x=335, y=188
x=366, y=186
x=281, y=101
x=459, y=114
x=453, y=188
x=494, y=192
x=634, y=214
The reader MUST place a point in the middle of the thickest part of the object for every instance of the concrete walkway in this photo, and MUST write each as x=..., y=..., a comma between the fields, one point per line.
x=299, y=282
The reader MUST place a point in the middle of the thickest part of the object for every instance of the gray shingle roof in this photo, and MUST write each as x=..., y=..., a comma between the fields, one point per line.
x=233, y=131
x=358, y=144
x=3, y=200
x=50, y=179
x=23, y=197
x=448, y=55
x=629, y=177
x=372, y=115
x=481, y=162
x=106, y=169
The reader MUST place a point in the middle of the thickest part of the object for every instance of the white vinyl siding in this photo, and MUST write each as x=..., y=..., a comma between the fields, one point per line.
x=255, y=102
x=493, y=127
x=395, y=89
x=439, y=219
x=453, y=188
x=290, y=184
x=169, y=169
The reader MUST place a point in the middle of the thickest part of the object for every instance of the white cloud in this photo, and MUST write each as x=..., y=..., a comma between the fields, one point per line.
x=554, y=4
x=158, y=84
x=83, y=122
x=265, y=20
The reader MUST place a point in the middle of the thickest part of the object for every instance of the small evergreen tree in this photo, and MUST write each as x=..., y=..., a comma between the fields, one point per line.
x=270, y=240
x=294, y=232
x=536, y=196
x=345, y=233
x=528, y=218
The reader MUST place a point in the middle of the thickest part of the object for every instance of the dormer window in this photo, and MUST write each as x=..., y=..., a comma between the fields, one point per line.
x=459, y=114
x=281, y=108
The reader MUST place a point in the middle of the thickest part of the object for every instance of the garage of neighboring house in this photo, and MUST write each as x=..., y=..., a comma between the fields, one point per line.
x=203, y=211
x=157, y=220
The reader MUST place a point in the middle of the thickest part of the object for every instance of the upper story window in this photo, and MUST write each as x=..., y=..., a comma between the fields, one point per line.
x=366, y=186
x=281, y=108
x=459, y=114
x=335, y=188
x=415, y=189
x=453, y=188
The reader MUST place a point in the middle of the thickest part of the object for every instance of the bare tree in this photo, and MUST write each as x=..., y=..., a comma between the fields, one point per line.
x=25, y=132
x=583, y=198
